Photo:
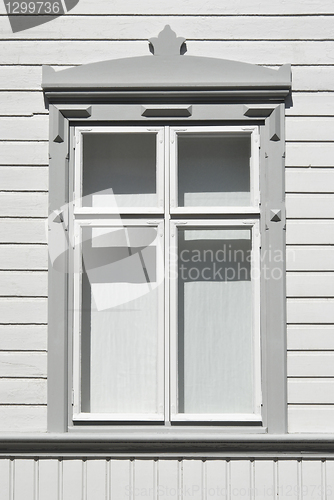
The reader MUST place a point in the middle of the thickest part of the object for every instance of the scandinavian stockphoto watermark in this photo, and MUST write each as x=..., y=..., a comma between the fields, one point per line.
x=123, y=261
x=24, y=15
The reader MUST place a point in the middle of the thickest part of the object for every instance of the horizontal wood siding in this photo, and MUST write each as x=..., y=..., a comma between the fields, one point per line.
x=255, y=31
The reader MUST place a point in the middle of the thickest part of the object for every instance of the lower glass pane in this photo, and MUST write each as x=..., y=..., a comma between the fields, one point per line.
x=119, y=322
x=215, y=333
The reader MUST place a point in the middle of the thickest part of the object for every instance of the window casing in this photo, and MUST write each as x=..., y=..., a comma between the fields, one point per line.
x=155, y=363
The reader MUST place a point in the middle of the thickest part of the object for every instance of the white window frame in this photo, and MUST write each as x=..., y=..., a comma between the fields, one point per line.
x=78, y=415
x=255, y=416
x=254, y=169
x=78, y=169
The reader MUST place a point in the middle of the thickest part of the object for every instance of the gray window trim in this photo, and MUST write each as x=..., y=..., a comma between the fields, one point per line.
x=68, y=93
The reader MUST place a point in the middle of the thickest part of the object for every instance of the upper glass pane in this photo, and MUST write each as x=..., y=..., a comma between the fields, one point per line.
x=215, y=321
x=119, y=320
x=213, y=169
x=119, y=169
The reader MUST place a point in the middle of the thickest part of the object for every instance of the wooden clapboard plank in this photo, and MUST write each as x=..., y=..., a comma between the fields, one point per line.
x=23, y=283
x=311, y=104
x=22, y=364
x=311, y=364
x=24, y=178
x=22, y=391
x=310, y=337
x=23, y=204
x=22, y=103
x=310, y=284
x=23, y=231
x=309, y=129
x=309, y=180
x=310, y=154
x=311, y=391
x=32, y=128
x=22, y=418
x=311, y=418
x=23, y=310
x=23, y=257
x=24, y=153
x=309, y=232
x=309, y=258
x=308, y=311
x=310, y=206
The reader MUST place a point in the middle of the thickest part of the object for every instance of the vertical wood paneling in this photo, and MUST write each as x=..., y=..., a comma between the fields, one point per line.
x=240, y=477
x=311, y=480
x=5, y=478
x=145, y=487
x=48, y=480
x=168, y=478
x=72, y=480
x=216, y=479
x=288, y=486
x=96, y=479
x=192, y=479
x=24, y=479
x=120, y=480
x=265, y=480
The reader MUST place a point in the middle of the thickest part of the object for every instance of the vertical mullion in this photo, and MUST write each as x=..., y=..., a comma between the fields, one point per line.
x=167, y=275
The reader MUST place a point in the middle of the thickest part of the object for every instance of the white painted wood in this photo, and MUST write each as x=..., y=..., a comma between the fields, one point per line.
x=313, y=78
x=308, y=180
x=5, y=478
x=309, y=232
x=185, y=7
x=72, y=52
x=23, y=283
x=23, y=391
x=311, y=364
x=144, y=479
x=23, y=364
x=22, y=103
x=72, y=479
x=121, y=480
x=24, y=153
x=23, y=337
x=310, y=337
x=311, y=391
x=215, y=479
x=309, y=284
x=309, y=258
x=192, y=479
x=20, y=77
x=23, y=204
x=329, y=479
x=310, y=418
x=310, y=103
x=310, y=311
x=264, y=482
x=26, y=257
x=309, y=129
x=240, y=477
x=96, y=479
x=22, y=231
x=310, y=206
x=32, y=128
x=310, y=154
x=287, y=480
x=16, y=310
x=168, y=477
x=205, y=28
x=48, y=482
x=24, y=178
x=24, y=479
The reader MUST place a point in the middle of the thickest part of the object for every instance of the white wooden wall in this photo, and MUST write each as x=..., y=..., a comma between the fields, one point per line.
x=100, y=479
x=255, y=31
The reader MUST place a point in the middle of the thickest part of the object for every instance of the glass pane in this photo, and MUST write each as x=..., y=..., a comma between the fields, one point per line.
x=215, y=337
x=119, y=169
x=213, y=170
x=119, y=327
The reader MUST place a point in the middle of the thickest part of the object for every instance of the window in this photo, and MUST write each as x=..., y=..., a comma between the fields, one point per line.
x=167, y=309
x=166, y=242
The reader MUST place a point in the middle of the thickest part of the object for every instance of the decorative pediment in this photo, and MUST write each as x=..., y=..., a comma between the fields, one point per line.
x=167, y=69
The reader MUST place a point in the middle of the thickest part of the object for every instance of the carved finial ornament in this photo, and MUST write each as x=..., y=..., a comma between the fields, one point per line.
x=167, y=43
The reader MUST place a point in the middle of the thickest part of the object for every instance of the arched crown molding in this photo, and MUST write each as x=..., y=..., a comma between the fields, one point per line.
x=168, y=69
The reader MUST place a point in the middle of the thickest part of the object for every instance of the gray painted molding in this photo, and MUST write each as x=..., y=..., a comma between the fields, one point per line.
x=168, y=70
